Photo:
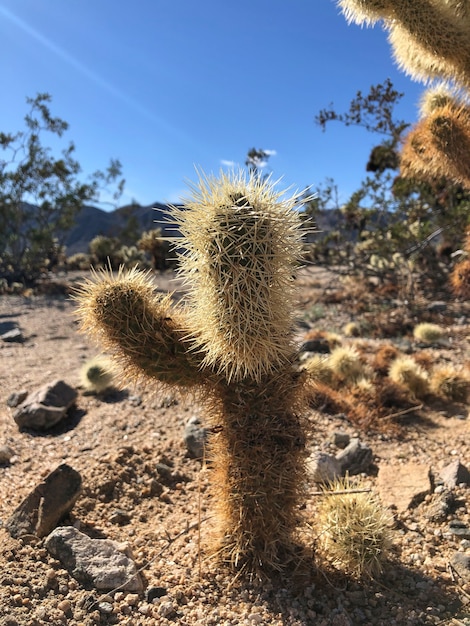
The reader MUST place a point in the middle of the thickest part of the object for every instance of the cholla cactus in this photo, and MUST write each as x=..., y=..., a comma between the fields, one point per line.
x=428, y=333
x=346, y=364
x=233, y=341
x=406, y=372
x=439, y=144
x=354, y=529
x=430, y=40
x=450, y=384
x=97, y=374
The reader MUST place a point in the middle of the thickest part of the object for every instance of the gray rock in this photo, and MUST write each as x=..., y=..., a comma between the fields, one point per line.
x=439, y=507
x=13, y=336
x=454, y=473
x=461, y=563
x=195, y=438
x=437, y=306
x=97, y=562
x=47, y=504
x=460, y=529
x=355, y=458
x=46, y=406
x=6, y=454
x=16, y=398
x=319, y=345
x=340, y=440
x=324, y=468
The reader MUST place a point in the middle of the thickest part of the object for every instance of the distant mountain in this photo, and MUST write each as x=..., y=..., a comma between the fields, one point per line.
x=92, y=222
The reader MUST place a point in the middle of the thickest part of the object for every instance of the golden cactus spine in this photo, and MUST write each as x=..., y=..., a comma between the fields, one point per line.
x=233, y=338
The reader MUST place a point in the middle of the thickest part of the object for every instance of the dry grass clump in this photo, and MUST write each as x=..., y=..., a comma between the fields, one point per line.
x=354, y=530
x=384, y=357
x=406, y=372
x=428, y=333
x=326, y=399
x=450, y=384
x=97, y=375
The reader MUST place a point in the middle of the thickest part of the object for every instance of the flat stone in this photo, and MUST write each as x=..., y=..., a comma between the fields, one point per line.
x=98, y=562
x=403, y=486
x=47, y=504
x=46, y=406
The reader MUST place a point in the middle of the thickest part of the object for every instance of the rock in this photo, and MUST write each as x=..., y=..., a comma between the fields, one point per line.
x=46, y=406
x=13, y=336
x=16, y=398
x=47, y=504
x=6, y=454
x=155, y=592
x=437, y=307
x=10, y=331
x=355, y=458
x=195, y=438
x=120, y=517
x=97, y=562
x=403, y=486
x=340, y=440
x=324, y=468
x=461, y=563
x=454, y=473
x=440, y=505
x=460, y=529
x=320, y=345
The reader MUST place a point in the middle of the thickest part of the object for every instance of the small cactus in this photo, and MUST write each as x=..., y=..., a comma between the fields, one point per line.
x=97, y=374
x=450, y=384
x=354, y=530
x=346, y=364
x=428, y=333
x=406, y=372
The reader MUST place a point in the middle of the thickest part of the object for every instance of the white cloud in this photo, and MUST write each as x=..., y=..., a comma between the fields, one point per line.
x=228, y=163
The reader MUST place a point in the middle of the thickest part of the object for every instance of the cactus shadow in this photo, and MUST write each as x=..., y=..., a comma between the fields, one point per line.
x=327, y=595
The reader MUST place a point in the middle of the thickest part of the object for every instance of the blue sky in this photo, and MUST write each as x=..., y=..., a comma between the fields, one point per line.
x=170, y=85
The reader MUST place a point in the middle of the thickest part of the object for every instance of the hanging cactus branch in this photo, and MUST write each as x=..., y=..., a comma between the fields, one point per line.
x=430, y=40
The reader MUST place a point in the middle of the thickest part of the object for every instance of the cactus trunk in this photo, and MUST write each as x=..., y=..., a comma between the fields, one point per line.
x=258, y=454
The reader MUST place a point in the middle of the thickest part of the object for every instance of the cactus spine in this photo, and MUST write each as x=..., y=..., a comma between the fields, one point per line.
x=233, y=339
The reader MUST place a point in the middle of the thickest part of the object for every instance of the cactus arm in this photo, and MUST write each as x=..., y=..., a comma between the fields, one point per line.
x=141, y=329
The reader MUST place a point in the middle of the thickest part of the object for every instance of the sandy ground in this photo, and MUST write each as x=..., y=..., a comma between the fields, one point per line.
x=117, y=440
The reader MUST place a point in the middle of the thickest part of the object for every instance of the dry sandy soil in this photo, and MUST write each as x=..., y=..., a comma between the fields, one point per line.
x=116, y=442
